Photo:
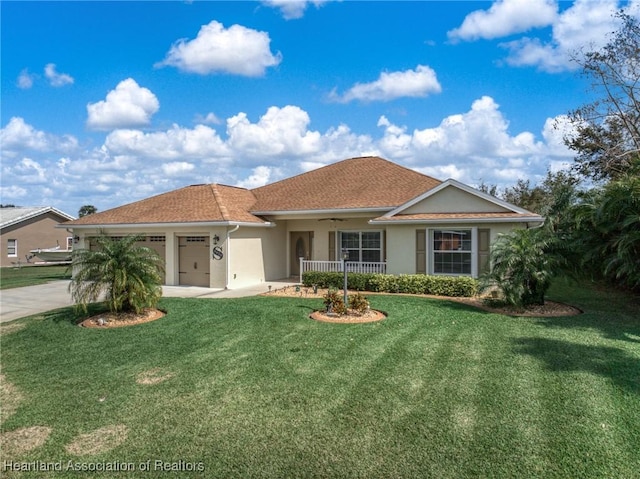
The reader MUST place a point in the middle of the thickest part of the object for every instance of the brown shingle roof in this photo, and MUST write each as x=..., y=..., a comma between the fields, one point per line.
x=366, y=182
x=191, y=204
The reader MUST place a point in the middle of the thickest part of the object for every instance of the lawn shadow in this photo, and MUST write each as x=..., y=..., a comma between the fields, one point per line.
x=622, y=329
x=70, y=314
x=615, y=364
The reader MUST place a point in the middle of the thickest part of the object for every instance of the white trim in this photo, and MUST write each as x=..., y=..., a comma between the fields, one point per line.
x=15, y=248
x=37, y=212
x=322, y=212
x=266, y=224
x=463, y=187
x=526, y=219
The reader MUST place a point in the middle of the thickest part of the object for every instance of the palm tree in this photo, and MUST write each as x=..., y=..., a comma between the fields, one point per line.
x=126, y=274
x=522, y=266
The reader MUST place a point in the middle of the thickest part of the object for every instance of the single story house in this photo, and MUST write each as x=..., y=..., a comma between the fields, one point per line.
x=382, y=216
x=23, y=229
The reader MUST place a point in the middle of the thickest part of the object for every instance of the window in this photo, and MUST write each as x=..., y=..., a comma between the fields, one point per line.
x=363, y=246
x=12, y=247
x=452, y=251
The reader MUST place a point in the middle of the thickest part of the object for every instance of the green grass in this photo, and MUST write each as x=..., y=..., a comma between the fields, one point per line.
x=32, y=275
x=437, y=390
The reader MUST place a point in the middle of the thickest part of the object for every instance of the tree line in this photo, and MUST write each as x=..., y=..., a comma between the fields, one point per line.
x=591, y=209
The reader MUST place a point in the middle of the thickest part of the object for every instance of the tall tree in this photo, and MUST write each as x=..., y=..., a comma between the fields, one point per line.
x=87, y=210
x=607, y=130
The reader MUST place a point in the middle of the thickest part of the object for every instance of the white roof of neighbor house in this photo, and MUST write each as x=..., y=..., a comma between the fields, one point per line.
x=12, y=215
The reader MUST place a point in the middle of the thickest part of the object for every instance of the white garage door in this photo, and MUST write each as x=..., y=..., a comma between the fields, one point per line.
x=194, y=260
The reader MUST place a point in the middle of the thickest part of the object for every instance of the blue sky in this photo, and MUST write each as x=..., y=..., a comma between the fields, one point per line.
x=105, y=103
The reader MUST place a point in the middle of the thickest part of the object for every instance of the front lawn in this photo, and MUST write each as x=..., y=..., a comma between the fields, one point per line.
x=253, y=388
x=32, y=275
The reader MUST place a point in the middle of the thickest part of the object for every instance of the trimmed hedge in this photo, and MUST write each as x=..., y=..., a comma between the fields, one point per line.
x=390, y=283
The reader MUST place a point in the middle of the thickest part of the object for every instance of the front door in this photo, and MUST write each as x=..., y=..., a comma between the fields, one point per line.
x=300, y=245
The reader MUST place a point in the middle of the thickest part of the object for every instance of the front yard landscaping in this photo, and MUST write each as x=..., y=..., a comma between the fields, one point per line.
x=254, y=388
x=32, y=275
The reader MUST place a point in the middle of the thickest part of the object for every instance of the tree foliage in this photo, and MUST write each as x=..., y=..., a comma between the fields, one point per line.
x=126, y=274
x=87, y=210
x=522, y=266
x=607, y=231
x=607, y=130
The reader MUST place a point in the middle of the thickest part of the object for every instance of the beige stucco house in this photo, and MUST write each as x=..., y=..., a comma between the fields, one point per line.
x=23, y=229
x=384, y=217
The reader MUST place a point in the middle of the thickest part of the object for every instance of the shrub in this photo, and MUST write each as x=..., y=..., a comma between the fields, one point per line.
x=333, y=302
x=359, y=303
x=389, y=283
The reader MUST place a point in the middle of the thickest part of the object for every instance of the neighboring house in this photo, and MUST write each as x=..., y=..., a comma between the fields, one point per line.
x=383, y=216
x=23, y=229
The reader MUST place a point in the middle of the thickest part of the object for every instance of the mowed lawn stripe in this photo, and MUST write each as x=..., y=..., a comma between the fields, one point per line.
x=254, y=388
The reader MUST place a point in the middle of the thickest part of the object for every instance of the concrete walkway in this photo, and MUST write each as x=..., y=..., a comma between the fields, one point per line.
x=20, y=302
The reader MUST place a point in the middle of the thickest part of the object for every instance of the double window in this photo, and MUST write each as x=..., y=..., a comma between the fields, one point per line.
x=363, y=246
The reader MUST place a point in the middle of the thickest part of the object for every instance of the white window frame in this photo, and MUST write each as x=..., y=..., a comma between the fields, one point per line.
x=14, y=247
x=474, y=250
x=360, y=248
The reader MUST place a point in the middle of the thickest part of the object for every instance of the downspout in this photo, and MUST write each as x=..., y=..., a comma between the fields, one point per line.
x=237, y=227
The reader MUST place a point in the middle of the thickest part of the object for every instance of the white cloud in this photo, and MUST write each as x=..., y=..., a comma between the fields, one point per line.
x=279, y=132
x=11, y=192
x=25, y=80
x=420, y=82
x=56, y=79
x=129, y=105
x=505, y=17
x=261, y=176
x=177, y=168
x=475, y=145
x=471, y=146
x=236, y=50
x=585, y=25
x=20, y=136
x=176, y=143
x=210, y=118
x=292, y=9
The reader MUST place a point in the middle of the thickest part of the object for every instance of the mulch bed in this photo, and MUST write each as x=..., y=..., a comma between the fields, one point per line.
x=118, y=320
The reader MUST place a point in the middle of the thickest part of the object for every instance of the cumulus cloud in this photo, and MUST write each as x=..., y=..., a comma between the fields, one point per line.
x=19, y=136
x=177, y=168
x=292, y=9
x=261, y=175
x=586, y=24
x=25, y=80
x=56, y=79
x=236, y=50
x=420, y=82
x=475, y=145
x=505, y=17
x=279, y=132
x=176, y=143
x=129, y=105
x=472, y=146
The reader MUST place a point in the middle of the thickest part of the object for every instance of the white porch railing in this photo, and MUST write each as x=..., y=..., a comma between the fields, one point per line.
x=337, y=266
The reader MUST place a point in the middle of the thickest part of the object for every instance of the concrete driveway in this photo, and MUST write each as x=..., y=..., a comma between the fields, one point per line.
x=20, y=302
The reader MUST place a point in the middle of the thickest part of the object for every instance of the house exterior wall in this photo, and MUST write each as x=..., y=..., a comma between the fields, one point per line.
x=33, y=233
x=401, y=242
x=256, y=255
x=453, y=200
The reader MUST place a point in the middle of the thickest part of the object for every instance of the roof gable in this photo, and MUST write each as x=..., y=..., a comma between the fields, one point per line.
x=14, y=215
x=357, y=183
x=455, y=197
x=455, y=201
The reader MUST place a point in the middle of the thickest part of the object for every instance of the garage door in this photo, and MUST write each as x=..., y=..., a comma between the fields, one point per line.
x=194, y=260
